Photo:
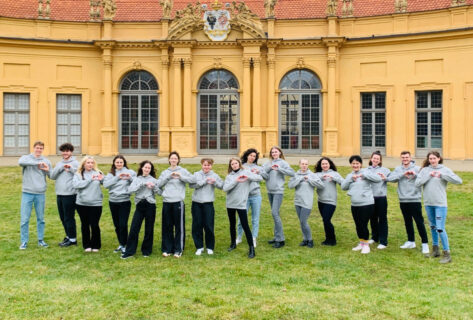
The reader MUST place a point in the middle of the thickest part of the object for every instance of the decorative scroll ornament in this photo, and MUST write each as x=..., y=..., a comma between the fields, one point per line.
x=235, y=16
x=400, y=6
x=217, y=22
x=137, y=65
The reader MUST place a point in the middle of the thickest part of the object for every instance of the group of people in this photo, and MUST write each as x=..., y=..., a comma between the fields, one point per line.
x=78, y=187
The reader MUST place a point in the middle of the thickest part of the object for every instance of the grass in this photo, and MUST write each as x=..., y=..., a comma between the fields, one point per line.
x=289, y=283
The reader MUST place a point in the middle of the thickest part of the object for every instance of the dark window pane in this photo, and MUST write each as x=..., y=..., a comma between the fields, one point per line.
x=436, y=130
x=422, y=98
x=380, y=100
x=421, y=142
x=379, y=141
x=436, y=99
x=422, y=117
x=366, y=117
x=436, y=117
x=422, y=130
x=367, y=140
x=367, y=129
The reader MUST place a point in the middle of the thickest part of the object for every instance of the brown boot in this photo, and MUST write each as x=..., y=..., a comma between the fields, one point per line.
x=446, y=257
x=435, y=252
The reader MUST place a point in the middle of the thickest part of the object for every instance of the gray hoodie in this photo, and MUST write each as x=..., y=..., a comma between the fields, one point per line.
x=237, y=192
x=204, y=191
x=174, y=189
x=434, y=187
x=34, y=179
x=64, y=176
x=406, y=188
x=328, y=194
x=380, y=189
x=275, y=178
x=89, y=192
x=305, y=183
x=255, y=185
x=118, y=188
x=142, y=192
x=360, y=191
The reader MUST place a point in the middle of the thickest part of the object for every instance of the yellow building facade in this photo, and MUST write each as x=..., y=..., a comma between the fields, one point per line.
x=331, y=86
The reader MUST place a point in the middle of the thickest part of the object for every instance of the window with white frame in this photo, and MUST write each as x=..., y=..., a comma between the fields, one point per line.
x=16, y=124
x=68, y=120
x=373, y=122
x=428, y=121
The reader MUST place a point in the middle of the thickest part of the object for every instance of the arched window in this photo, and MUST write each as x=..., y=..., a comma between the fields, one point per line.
x=218, y=104
x=300, y=112
x=139, y=113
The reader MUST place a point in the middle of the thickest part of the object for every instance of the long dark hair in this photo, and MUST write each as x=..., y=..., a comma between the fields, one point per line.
x=244, y=157
x=377, y=153
x=113, y=168
x=318, y=165
x=426, y=162
x=152, y=171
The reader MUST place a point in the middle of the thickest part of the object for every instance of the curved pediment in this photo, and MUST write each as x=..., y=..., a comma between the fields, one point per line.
x=217, y=21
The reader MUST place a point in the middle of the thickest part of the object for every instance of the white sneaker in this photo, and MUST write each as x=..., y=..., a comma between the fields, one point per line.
x=365, y=248
x=370, y=241
x=425, y=248
x=199, y=251
x=358, y=247
x=165, y=254
x=177, y=254
x=381, y=246
x=254, y=242
x=210, y=251
x=238, y=240
x=408, y=245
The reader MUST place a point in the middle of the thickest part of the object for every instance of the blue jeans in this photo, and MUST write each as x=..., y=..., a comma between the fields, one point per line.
x=255, y=203
x=27, y=201
x=437, y=217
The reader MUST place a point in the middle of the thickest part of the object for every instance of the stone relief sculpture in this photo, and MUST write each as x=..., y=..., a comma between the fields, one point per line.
x=269, y=8
x=167, y=7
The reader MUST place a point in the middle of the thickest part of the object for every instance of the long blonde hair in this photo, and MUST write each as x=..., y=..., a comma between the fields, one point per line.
x=81, y=168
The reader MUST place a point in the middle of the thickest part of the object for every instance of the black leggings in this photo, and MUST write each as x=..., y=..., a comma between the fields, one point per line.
x=361, y=216
x=244, y=223
x=379, y=221
x=326, y=211
x=120, y=213
x=89, y=218
x=413, y=210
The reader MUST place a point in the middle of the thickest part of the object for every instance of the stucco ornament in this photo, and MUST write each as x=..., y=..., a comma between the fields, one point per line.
x=332, y=8
x=217, y=22
x=269, y=8
x=109, y=9
x=167, y=8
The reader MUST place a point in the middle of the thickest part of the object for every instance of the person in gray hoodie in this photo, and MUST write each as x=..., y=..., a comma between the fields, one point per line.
x=237, y=186
x=358, y=183
x=379, y=219
x=145, y=187
x=410, y=200
x=203, y=212
x=87, y=182
x=327, y=196
x=63, y=173
x=305, y=181
x=249, y=161
x=174, y=180
x=274, y=173
x=434, y=178
x=117, y=181
x=35, y=170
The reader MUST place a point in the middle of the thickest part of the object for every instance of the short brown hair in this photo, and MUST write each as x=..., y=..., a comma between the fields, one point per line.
x=405, y=152
x=38, y=143
x=209, y=160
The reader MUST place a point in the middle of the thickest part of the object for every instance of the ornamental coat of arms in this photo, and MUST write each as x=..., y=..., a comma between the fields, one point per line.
x=217, y=23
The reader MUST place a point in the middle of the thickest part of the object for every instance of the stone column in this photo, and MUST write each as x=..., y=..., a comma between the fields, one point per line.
x=164, y=107
x=187, y=104
x=246, y=107
x=256, y=123
x=177, y=92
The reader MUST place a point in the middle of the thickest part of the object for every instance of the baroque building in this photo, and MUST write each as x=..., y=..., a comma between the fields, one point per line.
x=324, y=77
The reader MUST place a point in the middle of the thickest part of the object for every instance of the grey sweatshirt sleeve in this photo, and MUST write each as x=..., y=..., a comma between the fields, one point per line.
x=186, y=176
x=294, y=181
x=218, y=182
x=79, y=183
x=135, y=185
x=448, y=175
x=315, y=181
x=164, y=178
x=423, y=177
x=110, y=180
x=373, y=177
x=253, y=176
x=199, y=181
x=27, y=160
x=337, y=177
x=57, y=171
x=286, y=169
x=346, y=183
x=230, y=183
x=395, y=176
x=265, y=169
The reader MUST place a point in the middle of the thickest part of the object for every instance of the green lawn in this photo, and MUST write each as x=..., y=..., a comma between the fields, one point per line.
x=287, y=283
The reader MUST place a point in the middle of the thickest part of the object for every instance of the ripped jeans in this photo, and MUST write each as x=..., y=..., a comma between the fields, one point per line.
x=437, y=217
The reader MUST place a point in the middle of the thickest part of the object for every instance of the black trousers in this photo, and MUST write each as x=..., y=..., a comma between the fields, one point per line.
x=361, y=216
x=66, y=206
x=144, y=211
x=203, y=215
x=89, y=218
x=173, y=227
x=413, y=210
x=326, y=211
x=120, y=214
x=379, y=221
x=244, y=223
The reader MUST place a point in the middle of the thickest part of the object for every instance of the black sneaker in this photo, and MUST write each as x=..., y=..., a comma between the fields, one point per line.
x=63, y=241
x=303, y=243
x=279, y=244
x=68, y=243
x=119, y=249
x=126, y=256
